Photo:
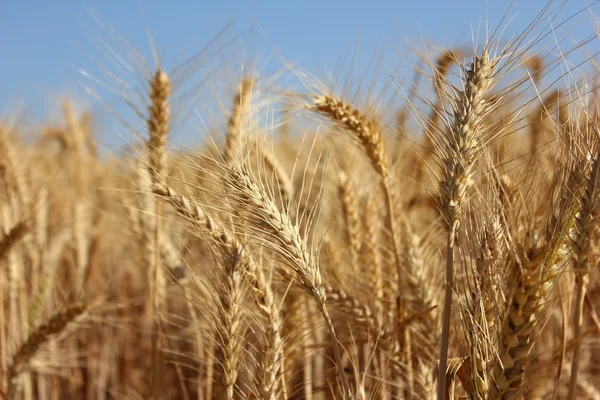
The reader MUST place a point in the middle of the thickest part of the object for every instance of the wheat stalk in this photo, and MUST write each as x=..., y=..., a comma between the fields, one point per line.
x=459, y=154
x=288, y=240
x=368, y=133
x=234, y=141
x=272, y=362
x=158, y=128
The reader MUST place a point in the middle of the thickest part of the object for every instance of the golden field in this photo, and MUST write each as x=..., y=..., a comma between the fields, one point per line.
x=319, y=243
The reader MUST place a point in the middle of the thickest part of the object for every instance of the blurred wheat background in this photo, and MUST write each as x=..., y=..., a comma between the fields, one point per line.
x=244, y=221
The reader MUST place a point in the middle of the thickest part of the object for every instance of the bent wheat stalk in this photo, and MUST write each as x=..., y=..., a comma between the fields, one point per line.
x=288, y=241
x=272, y=363
x=235, y=139
x=369, y=134
x=371, y=140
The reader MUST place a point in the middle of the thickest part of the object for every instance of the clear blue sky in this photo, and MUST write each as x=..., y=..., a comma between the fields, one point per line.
x=40, y=41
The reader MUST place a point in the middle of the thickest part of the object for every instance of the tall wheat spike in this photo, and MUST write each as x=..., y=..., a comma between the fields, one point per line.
x=235, y=126
x=229, y=324
x=158, y=128
x=369, y=134
x=459, y=154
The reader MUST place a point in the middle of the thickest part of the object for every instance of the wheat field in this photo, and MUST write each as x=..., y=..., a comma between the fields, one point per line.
x=320, y=241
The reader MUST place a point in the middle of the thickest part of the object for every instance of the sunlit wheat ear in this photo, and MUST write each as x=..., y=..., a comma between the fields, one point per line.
x=464, y=138
x=286, y=240
x=271, y=363
x=459, y=152
x=368, y=132
x=286, y=235
x=229, y=324
x=584, y=241
x=158, y=129
x=533, y=280
x=158, y=125
x=533, y=267
x=235, y=140
x=351, y=218
x=360, y=125
x=26, y=351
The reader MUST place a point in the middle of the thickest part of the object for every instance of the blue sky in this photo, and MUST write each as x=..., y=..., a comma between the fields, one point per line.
x=42, y=42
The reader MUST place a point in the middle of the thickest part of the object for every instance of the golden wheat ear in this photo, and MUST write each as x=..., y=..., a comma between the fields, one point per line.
x=583, y=242
x=369, y=132
x=158, y=121
x=271, y=362
x=38, y=337
x=286, y=239
x=235, y=125
x=460, y=150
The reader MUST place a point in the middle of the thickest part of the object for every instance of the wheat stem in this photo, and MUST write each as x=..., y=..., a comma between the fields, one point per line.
x=460, y=153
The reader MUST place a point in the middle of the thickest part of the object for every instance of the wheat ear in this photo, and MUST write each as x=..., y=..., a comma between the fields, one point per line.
x=371, y=139
x=373, y=259
x=56, y=324
x=158, y=125
x=534, y=282
x=351, y=218
x=288, y=242
x=234, y=140
x=272, y=362
x=229, y=324
x=459, y=154
x=586, y=236
x=158, y=129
